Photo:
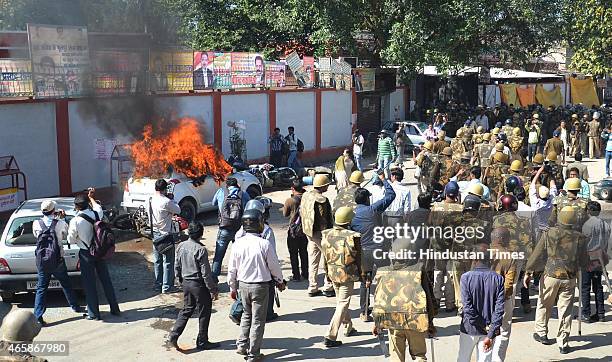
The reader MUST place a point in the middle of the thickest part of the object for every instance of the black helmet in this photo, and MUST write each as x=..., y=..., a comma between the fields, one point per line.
x=512, y=183
x=471, y=203
x=253, y=221
x=508, y=203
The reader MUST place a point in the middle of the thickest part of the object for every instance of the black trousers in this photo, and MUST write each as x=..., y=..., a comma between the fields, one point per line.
x=298, y=254
x=589, y=279
x=524, y=291
x=196, y=298
x=276, y=158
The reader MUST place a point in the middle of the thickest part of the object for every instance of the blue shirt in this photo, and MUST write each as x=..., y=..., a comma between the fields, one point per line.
x=366, y=216
x=585, y=189
x=220, y=196
x=482, y=293
x=607, y=136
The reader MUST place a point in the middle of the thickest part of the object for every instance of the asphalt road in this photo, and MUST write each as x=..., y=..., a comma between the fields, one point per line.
x=138, y=334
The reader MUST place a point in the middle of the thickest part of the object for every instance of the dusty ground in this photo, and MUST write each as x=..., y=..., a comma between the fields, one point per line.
x=138, y=334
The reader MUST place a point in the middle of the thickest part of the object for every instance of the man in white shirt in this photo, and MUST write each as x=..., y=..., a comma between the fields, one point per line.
x=358, y=142
x=474, y=178
x=541, y=201
x=292, y=141
x=50, y=218
x=482, y=120
x=81, y=233
x=163, y=207
x=402, y=204
x=252, y=266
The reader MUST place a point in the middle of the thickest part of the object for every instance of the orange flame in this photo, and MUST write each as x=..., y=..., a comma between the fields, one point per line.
x=182, y=149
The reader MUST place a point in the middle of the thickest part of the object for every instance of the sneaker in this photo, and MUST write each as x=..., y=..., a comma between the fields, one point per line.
x=170, y=291
x=234, y=319
x=241, y=351
x=544, y=340
x=587, y=319
x=350, y=332
x=78, y=309
x=331, y=344
x=315, y=293
x=259, y=357
x=208, y=345
x=42, y=322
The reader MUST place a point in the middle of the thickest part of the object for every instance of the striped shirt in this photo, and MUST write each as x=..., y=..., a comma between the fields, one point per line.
x=386, y=148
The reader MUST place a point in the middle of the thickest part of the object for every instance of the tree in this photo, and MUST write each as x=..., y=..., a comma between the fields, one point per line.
x=451, y=34
x=589, y=35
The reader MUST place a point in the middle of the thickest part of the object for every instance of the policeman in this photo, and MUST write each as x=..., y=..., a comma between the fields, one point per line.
x=457, y=144
x=403, y=305
x=516, y=169
x=426, y=160
x=482, y=152
x=556, y=170
x=493, y=176
x=342, y=251
x=507, y=128
x=446, y=213
x=441, y=143
x=447, y=167
x=19, y=326
x=315, y=211
x=346, y=195
x=516, y=144
x=562, y=251
x=570, y=198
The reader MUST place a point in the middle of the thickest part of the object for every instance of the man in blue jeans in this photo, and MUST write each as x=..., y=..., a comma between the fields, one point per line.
x=61, y=273
x=292, y=141
x=225, y=235
x=607, y=136
x=386, y=152
x=81, y=233
x=163, y=208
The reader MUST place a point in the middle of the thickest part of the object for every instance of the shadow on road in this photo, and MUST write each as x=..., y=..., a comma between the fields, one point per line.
x=312, y=349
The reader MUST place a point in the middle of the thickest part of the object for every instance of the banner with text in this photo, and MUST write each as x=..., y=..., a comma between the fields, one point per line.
x=275, y=74
x=222, y=70
x=170, y=70
x=60, y=59
x=117, y=72
x=297, y=68
x=203, y=70
x=247, y=70
x=365, y=79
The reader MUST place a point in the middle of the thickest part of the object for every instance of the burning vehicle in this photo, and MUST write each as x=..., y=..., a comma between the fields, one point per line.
x=193, y=169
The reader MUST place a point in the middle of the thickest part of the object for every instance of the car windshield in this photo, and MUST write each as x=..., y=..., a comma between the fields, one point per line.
x=421, y=125
x=20, y=231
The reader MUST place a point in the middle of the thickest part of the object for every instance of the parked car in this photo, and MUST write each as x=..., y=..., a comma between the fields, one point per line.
x=603, y=190
x=414, y=131
x=193, y=196
x=18, y=271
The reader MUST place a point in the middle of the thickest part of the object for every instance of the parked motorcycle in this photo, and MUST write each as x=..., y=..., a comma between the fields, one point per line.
x=270, y=176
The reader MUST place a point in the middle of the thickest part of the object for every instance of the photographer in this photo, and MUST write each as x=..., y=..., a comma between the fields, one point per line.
x=52, y=225
x=163, y=207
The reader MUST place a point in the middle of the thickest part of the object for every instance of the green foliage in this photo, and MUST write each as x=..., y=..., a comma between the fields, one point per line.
x=589, y=34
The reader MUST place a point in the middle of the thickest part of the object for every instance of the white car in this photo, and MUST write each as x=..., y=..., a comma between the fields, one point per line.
x=18, y=271
x=414, y=131
x=192, y=197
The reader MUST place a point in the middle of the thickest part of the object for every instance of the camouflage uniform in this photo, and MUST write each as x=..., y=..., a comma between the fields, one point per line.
x=342, y=253
x=516, y=146
x=315, y=212
x=402, y=305
x=447, y=169
x=426, y=162
x=562, y=251
x=345, y=197
x=9, y=356
x=507, y=129
x=458, y=148
x=439, y=146
x=495, y=178
x=561, y=201
x=444, y=214
x=482, y=154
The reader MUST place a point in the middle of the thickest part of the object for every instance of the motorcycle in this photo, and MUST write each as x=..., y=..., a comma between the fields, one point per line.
x=270, y=176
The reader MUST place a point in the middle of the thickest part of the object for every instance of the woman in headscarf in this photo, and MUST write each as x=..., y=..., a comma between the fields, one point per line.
x=344, y=166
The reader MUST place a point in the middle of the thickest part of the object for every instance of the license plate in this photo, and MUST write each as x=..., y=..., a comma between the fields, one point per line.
x=53, y=284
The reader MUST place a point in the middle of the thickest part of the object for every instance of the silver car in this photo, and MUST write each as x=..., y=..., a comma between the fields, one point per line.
x=18, y=271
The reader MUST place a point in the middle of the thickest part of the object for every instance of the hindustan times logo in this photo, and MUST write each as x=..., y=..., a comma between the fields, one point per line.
x=465, y=255
x=412, y=233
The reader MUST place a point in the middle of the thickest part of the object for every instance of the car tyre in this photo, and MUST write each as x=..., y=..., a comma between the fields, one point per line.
x=605, y=194
x=188, y=210
x=7, y=297
x=253, y=191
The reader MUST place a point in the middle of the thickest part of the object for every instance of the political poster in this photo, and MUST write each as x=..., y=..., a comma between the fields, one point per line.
x=203, y=72
x=324, y=72
x=275, y=74
x=9, y=199
x=365, y=79
x=170, y=70
x=222, y=70
x=247, y=70
x=15, y=78
x=297, y=68
x=117, y=72
x=60, y=60
x=309, y=69
x=103, y=148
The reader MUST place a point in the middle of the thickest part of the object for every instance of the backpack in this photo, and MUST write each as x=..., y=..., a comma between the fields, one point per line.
x=102, y=244
x=231, y=212
x=295, y=228
x=48, y=255
x=300, y=146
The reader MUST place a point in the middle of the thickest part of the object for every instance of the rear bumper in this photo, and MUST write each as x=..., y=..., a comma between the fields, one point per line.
x=18, y=282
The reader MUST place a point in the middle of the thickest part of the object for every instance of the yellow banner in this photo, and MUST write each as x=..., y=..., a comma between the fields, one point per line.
x=526, y=95
x=583, y=91
x=508, y=94
x=548, y=98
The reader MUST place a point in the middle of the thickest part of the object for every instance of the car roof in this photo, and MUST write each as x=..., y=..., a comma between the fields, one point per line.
x=32, y=207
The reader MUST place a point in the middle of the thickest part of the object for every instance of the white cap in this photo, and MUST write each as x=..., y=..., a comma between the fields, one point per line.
x=47, y=206
x=543, y=192
x=596, y=115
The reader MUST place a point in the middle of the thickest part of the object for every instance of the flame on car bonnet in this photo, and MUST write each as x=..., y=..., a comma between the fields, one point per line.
x=181, y=149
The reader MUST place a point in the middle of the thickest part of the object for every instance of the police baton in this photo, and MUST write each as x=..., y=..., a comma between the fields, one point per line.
x=431, y=345
x=579, y=303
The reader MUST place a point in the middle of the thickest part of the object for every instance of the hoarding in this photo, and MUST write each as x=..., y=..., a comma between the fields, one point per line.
x=275, y=74
x=203, y=73
x=247, y=70
x=170, y=70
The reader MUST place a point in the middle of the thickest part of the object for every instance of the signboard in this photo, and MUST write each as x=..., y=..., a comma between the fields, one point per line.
x=9, y=199
x=247, y=70
x=103, y=148
x=324, y=72
x=203, y=73
x=117, y=72
x=15, y=78
x=309, y=67
x=485, y=75
x=365, y=79
x=222, y=70
x=60, y=59
x=341, y=75
x=275, y=74
x=170, y=70
x=297, y=68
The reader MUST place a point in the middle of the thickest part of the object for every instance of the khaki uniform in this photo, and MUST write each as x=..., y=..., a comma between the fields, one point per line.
x=447, y=169
x=439, y=146
x=593, y=134
x=315, y=212
x=482, y=153
x=342, y=251
x=494, y=179
x=426, y=162
x=561, y=201
x=560, y=250
x=555, y=145
x=444, y=214
x=458, y=148
x=8, y=356
x=507, y=129
x=345, y=197
x=516, y=145
x=402, y=305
